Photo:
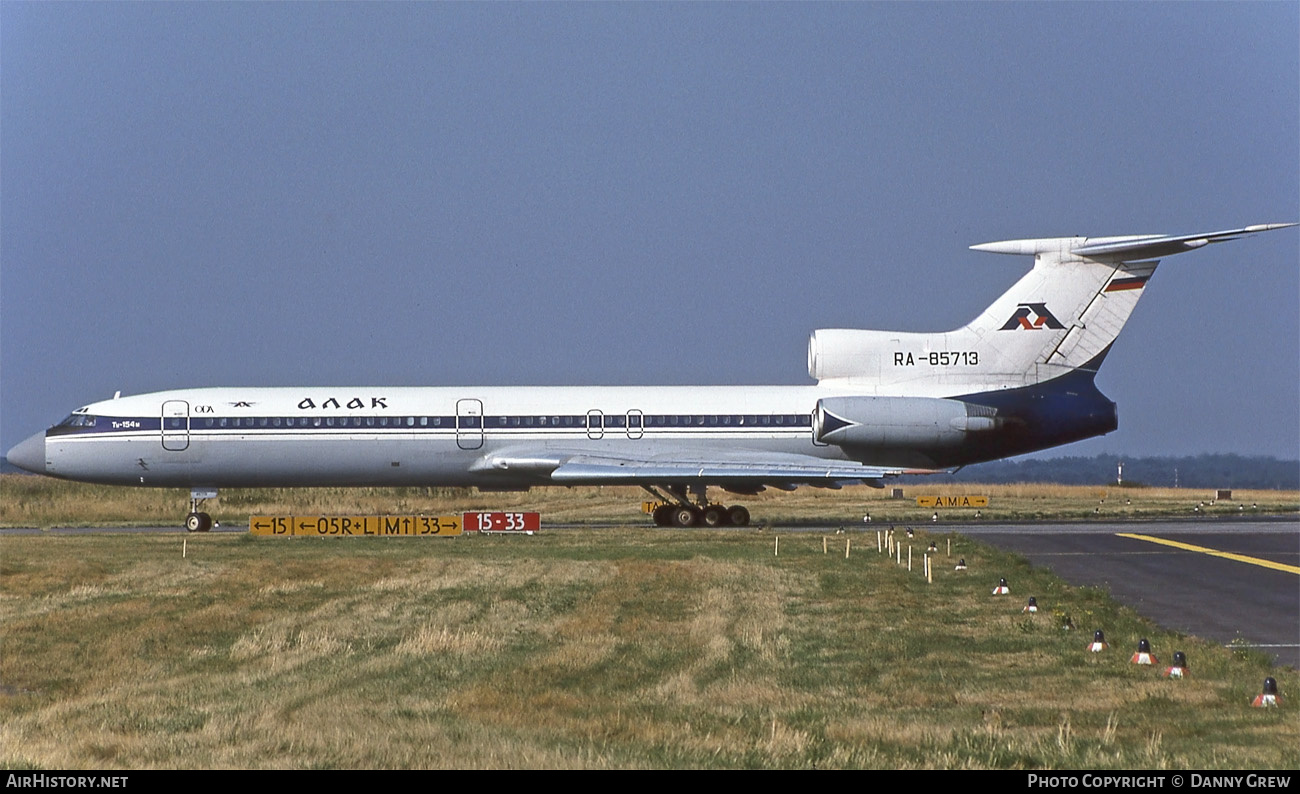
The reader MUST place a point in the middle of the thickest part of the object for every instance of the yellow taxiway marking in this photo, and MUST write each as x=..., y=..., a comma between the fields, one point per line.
x=1227, y=555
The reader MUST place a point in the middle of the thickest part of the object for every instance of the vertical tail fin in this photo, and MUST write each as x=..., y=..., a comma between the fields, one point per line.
x=1063, y=315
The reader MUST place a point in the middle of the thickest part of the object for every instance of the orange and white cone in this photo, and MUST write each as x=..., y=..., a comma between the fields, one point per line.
x=1002, y=588
x=1032, y=606
x=1179, y=668
x=1144, y=655
x=1098, y=642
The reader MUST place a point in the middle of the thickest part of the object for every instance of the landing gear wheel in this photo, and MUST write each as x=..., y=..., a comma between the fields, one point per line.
x=685, y=517
x=663, y=516
x=713, y=516
x=198, y=522
x=738, y=515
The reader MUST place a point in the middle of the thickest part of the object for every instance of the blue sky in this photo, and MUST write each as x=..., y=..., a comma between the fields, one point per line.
x=473, y=193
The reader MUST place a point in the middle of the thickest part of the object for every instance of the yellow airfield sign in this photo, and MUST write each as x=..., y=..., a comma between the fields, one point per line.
x=359, y=526
x=932, y=502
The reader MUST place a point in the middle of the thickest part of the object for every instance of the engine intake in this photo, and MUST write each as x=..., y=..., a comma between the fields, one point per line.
x=846, y=353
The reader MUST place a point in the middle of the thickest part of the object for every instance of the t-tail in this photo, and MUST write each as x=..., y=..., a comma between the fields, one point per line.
x=1024, y=367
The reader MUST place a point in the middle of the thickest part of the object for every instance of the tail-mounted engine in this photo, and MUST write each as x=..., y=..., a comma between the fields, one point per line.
x=918, y=423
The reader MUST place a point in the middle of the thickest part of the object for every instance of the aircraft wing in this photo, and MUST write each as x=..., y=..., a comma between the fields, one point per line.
x=750, y=468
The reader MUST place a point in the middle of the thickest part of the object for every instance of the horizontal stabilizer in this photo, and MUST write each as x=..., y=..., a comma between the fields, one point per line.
x=1155, y=247
x=1127, y=248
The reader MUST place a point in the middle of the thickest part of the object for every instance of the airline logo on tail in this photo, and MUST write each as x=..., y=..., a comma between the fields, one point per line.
x=1040, y=317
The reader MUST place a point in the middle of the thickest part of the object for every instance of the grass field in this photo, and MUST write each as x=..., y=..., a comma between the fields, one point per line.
x=593, y=648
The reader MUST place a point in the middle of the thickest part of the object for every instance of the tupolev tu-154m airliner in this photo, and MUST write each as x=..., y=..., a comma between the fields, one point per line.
x=1018, y=378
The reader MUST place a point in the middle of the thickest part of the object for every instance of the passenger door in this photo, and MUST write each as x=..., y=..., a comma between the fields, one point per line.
x=176, y=425
x=469, y=424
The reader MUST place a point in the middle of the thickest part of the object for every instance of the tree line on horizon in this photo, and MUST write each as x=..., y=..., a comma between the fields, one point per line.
x=1196, y=471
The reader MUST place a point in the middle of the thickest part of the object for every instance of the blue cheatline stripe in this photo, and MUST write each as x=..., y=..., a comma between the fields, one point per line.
x=766, y=423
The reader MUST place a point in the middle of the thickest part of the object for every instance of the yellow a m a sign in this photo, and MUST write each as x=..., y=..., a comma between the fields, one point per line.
x=933, y=502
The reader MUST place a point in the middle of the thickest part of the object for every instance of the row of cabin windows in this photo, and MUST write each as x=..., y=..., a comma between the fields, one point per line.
x=316, y=421
x=581, y=421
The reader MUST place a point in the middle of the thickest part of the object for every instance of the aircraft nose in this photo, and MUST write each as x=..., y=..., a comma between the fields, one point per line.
x=29, y=454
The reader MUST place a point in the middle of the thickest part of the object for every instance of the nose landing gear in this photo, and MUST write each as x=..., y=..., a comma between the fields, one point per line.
x=198, y=521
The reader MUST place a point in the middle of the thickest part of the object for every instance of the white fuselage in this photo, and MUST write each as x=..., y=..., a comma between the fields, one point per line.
x=227, y=437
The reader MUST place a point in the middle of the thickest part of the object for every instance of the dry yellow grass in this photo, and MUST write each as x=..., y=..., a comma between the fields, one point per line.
x=28, y=501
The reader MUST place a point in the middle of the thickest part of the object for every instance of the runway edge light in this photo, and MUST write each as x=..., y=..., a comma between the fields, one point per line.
x=1269, y=697
x=1144, y=655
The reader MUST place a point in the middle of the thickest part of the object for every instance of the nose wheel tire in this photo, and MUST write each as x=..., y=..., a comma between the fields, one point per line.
x=198, y=522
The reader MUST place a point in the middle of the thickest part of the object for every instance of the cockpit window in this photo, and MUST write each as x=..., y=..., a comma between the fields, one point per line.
x=77, y=420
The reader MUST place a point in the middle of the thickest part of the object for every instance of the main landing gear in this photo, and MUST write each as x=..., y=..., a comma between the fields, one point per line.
x=198, y=521
x=677, y=510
